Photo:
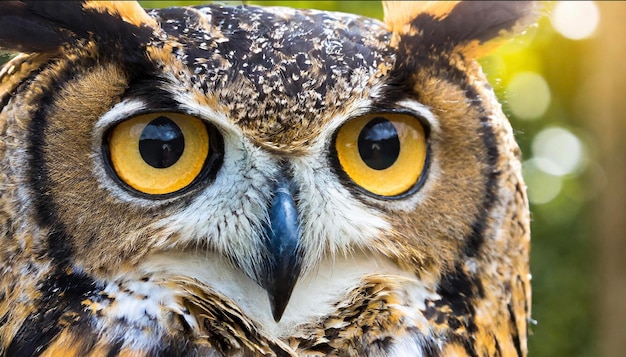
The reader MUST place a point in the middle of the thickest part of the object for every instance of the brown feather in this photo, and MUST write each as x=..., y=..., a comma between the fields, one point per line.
x=474, y=28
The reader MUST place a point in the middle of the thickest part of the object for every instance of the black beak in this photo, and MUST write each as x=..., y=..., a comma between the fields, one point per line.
x=283, y=268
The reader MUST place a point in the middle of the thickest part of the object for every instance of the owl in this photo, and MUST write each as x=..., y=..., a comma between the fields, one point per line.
x=249, y=181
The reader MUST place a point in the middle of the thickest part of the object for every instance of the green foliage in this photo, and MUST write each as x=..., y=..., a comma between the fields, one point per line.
x=366, y=8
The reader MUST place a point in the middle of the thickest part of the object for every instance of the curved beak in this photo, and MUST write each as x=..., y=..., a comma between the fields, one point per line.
x=282, y=232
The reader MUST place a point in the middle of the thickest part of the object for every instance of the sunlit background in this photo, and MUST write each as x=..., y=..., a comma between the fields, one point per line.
x=563, y=86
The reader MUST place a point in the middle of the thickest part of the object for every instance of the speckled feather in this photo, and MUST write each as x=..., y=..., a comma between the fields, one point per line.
x=293, y=64
x=90, y=269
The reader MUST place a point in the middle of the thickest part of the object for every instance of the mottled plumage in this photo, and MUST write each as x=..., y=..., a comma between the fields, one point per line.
x=251, y=181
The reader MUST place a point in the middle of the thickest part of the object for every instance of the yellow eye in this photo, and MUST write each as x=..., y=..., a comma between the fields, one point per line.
x=383, y=153
x=160, y=153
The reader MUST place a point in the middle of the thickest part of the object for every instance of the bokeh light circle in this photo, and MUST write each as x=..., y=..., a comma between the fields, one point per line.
x=528, y=95
x=559, y=151
x=575, y=20
x=542, y=186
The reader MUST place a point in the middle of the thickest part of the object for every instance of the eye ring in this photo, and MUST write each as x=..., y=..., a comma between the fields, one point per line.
x=385, y=155
x=160, y=154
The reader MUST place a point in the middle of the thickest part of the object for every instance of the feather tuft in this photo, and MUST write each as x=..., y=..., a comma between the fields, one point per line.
x=473, y=28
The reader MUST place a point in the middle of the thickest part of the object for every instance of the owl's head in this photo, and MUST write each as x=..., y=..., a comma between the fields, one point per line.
x=244, y=144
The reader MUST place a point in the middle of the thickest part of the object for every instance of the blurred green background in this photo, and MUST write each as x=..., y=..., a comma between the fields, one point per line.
x=563, y=86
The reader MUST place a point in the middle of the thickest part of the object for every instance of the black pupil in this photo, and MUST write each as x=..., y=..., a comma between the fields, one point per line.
x=161, y=143
x=379, y=145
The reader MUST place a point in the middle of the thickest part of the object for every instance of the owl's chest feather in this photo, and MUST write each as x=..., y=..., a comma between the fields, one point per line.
x=178, y=295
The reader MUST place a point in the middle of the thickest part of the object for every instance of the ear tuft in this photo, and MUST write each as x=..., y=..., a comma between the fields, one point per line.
x=398, y=14
x=473, y=28
x=44, y=26
x=129, y=11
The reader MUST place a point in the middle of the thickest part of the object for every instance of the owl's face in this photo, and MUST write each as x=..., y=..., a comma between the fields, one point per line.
x=251, y=180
